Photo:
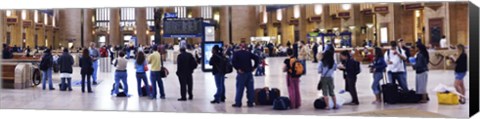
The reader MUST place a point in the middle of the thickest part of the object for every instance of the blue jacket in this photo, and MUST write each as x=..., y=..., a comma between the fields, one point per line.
x=421, y=64
x=243, y=60
x=379, y=65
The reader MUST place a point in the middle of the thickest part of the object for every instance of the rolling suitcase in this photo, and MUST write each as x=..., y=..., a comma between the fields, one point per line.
x=389, y=91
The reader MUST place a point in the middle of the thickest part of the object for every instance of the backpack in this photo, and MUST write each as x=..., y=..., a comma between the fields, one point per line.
x=295, y=68
x=62, y=86
x=225, y=65
x=281, y=103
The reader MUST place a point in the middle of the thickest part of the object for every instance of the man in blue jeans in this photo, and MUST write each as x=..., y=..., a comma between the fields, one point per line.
x=242, y=62
x=395, y=58
x=46, y=66
x=156, y=65
x=94, y=53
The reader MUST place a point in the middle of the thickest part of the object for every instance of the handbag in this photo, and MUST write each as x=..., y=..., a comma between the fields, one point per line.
x=319, y=85
x=145, y=67
x=163, y=71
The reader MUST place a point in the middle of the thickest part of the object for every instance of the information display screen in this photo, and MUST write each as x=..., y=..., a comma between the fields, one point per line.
x=207, y=54
x=182, y=26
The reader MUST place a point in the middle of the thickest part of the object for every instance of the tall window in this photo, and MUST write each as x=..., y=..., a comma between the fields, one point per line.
x=181, y=12
x=102, y=17
x=127, y=17
x=150, y=16
x=207, y=12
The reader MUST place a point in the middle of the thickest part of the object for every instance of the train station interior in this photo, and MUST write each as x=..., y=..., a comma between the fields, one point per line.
x=354, y=27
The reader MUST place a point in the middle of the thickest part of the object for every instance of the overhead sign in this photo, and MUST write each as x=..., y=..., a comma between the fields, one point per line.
x=171, y=15
x=176, y=27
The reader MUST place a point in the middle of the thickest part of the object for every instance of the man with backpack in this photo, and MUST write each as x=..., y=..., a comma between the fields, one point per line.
x=242, y=62
x=294, y=69
x=351, y=69
x=46, y=65
x=395, y=58
x=66, y=61
x=221, y=66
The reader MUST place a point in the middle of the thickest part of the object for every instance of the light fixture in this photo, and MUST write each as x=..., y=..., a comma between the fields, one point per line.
x=322, y=30
x=335, y=28
x=189, y=16
x=24, y=14
x=35, y=16
x=135, y=32
x=296, y=11
x=93, y=18
x=346, y=6
x=146, y=32
x=318, y=9
x=265, y=18
x=351, y=27
x=279, y=14
x=45, y=18
x=9, y=13
x=417, y=13
x=53, y=21
x=216, y=17
x=369, y=25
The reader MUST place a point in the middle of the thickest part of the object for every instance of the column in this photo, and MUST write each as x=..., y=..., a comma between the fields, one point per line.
x=2, y=26
x=224, y=32
x=242, y=25
x=30, y=32
x=87, y=26
x=15, y=30
x=114, y=29
x=70, y=27
x=141, y=26
x=302, y=24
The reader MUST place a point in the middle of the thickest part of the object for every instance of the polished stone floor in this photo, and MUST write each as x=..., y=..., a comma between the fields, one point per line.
x=204, y=88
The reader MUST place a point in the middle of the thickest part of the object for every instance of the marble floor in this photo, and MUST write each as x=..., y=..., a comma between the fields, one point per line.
x=204, y=88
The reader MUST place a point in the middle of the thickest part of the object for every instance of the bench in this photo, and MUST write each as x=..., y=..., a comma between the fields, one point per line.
x=16, y=75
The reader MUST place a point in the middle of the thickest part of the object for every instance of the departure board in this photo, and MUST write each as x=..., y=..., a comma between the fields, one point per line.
x=182, y=26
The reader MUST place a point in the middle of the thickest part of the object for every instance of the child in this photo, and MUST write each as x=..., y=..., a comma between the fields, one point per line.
x=350, y=72
x=121, y=73
x=460, y=70
x=263, y=65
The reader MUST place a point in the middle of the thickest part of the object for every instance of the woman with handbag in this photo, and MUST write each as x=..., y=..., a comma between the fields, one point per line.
x=326, y=68
x=377, y=68
x=141, y=68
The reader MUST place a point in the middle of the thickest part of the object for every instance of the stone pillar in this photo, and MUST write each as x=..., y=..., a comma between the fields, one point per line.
x=224, y=21
x=141, y=26
x=30, y=32
x=87, y=26
x=70, y=27
x=242, y=25
x=2, y=26
x=302, y=25
x=16, y=30
x=115, y=36
x=458, y=24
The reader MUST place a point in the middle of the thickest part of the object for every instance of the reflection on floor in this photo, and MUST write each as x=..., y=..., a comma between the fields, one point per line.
x=204, y=88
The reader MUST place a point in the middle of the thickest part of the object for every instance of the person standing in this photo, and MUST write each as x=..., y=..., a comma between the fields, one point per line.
x=460, y=70
x=395, y=58
x=94, y=54
x=242, y=62
x=378, y=68
x=421, y=68
x=46, y=65
x=218, y=72
x=86, y=65
x=326, y=68
x=66, y=62
x=156, y=65
x=302, y=56
x=315, y=51
x=350, y=73
x=292, y=81
x=185, y=66
x=121, y=73
x=295, y=49
x=270, y=49
x=402, y=46
x=141, y=68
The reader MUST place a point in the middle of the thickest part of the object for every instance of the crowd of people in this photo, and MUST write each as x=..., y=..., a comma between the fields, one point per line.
x=392, y=63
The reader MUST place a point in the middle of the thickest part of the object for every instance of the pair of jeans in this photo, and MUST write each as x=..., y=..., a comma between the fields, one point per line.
x=350, y=86
x=394, y=77
x=95, y=70
x=47, y=76
x=68, y=82
x=142, y=76
x=304, y=63
x=259, y=71
x=121, y=76
x=244, y=80
x=156, y=79
x=220, y=84
x=377, y=76
x=294, y=91
x=89, y=85
x=186, y=84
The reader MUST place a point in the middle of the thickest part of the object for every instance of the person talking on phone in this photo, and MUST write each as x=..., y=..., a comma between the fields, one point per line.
x=395, y=58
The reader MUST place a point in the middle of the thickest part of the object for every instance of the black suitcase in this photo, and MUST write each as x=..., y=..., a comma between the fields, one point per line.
x=390, y=92
x=409, y=97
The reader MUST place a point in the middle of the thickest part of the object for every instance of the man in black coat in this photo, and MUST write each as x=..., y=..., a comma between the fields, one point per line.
x=185, y=65
x=315, y=51
x=65, y=61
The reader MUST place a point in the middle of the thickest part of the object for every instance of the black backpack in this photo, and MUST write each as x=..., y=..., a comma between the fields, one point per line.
x=281, y=103
x=224, y=65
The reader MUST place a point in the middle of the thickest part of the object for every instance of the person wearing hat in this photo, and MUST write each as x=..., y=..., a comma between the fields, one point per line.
x=46, y=66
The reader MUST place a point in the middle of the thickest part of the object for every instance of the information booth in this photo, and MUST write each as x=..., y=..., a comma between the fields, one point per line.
x=346, y=37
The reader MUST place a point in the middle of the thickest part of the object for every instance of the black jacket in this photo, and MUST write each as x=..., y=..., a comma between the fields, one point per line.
x=215, y=62
x=47, y=59
x=349, y=71
x=185, y=63
x=65, y=61
x=86, y=64
x=243, y=60
x=461, y=62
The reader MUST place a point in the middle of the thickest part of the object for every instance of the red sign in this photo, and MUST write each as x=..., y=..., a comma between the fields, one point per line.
x=27, y=24
x=294, y=22
x=413, y=6
x=315, y=19
x=367, y=12
x=11, y=20
x=344, y=14
x=277, y=24
x=381, y=9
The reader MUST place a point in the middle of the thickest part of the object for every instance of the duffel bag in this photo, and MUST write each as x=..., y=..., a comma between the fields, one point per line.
x=409, y=97
x=281, y=103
